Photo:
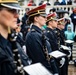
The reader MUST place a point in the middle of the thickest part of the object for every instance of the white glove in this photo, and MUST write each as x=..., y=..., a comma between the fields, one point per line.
x=62, y=61
x=69, y=54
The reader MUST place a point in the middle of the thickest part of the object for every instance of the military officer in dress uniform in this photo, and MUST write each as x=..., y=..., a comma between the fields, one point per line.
x=11, y=55
x=37, y=45
x=51, y=25
x=61, y=41
x=60, y=31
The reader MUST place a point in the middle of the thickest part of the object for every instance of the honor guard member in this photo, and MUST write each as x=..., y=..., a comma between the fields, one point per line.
x=61, y=41
x=51, y=25
x=36, y=44
x=60, y=31
x=10, y=53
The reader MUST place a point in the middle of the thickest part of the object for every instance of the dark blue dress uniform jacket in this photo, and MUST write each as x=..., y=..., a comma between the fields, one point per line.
x=61, y=38
x=7, y=66
x=6, y=58
x=35, y=48
x=52, y=38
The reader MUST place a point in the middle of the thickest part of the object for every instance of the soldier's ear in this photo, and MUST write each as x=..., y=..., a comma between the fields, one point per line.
x=36, y=18
x=50, y=22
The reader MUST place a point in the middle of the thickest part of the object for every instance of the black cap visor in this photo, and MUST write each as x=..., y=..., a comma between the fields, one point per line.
x=11, y=5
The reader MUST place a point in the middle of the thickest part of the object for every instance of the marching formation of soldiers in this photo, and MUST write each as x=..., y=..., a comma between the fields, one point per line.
x=18, y=49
